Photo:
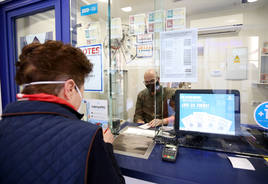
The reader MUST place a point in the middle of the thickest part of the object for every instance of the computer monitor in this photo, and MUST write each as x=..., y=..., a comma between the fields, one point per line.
x=207, y=112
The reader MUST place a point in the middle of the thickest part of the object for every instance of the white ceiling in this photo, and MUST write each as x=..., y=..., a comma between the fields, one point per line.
x=193, y=7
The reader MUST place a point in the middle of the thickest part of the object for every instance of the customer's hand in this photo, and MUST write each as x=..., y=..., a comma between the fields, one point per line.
x=156, y=122
x=108, y=137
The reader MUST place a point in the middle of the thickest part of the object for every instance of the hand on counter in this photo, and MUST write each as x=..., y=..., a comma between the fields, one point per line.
x=157, y=122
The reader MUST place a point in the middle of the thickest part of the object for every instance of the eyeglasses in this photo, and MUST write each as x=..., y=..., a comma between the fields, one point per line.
x=149, y=82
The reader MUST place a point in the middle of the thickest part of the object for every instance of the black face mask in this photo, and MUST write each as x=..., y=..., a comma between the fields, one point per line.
x=152, y=87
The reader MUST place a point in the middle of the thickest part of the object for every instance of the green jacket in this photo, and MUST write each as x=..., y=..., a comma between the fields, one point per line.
x=149, y=107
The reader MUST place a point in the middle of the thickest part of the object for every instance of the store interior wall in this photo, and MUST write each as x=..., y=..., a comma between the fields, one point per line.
x=252, y=35
x=254, y=30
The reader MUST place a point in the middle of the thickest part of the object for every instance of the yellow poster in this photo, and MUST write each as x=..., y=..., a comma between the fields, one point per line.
x=237, y=59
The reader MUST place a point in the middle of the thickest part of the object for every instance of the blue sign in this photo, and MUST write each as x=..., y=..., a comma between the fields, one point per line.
x=89, y=9
x=261, y=115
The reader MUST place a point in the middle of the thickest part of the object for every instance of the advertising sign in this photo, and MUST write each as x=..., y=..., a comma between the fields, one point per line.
x=94, y=82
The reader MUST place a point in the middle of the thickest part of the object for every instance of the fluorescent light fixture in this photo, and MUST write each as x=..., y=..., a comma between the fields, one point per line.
x=251, y=1
x=127, y=9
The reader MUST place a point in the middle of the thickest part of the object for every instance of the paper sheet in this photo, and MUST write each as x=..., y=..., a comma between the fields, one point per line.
x=241, y=163
x=138, y=131
x=178, y=56
x=94, y=81
x=145, y=126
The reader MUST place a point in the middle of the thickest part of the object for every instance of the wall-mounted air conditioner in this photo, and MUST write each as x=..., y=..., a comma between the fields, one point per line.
x=230, y=24
x=230, y=29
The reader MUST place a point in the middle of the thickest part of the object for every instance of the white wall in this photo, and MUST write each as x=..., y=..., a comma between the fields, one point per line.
x=252, y=36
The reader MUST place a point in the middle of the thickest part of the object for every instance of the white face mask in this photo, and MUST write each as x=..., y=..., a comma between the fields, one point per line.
x=82, y=100
x=43, y=82
x=56, y=82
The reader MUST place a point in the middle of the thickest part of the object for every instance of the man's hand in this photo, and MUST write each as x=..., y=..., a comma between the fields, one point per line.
x=108, y=137
x=140, y=122
x=157, y=122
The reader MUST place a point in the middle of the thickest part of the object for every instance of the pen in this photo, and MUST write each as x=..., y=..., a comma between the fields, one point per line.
x=106, y=130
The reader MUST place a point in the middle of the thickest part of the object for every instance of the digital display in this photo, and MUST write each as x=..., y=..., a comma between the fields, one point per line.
x=208, y=113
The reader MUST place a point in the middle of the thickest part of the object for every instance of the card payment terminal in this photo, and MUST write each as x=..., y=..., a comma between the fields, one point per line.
x=169, y=152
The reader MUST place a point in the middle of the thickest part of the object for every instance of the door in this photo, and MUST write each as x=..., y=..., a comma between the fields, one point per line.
x=28, y=21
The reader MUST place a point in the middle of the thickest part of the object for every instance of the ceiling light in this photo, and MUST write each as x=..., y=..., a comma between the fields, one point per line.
x=127, y=9
x=249, y=1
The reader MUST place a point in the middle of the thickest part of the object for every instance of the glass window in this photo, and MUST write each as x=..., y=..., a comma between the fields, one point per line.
x=39, y=27
x=191, y=45
x=35, y=28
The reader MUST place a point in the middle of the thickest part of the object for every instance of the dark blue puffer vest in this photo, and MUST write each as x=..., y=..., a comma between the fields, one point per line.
x=44, y=143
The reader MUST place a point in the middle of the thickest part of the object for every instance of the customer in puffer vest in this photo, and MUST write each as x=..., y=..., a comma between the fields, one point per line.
x=42, y=139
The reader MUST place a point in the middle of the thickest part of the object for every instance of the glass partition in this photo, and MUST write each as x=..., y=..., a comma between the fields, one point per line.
x=191, y=45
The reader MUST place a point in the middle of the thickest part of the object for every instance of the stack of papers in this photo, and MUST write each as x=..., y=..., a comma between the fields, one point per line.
x=139, y=131
x=145, y=126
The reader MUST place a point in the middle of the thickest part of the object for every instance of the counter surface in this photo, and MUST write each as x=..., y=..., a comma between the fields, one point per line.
x=192, y=166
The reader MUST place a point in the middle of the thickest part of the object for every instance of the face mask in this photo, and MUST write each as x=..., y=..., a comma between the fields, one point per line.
x=153, y=87
x=43, y=82
x=82, y=100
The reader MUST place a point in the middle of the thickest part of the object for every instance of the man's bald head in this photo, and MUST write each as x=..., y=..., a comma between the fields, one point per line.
x=150, y=75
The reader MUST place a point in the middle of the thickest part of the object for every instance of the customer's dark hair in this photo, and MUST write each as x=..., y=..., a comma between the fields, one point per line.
x=51, y=61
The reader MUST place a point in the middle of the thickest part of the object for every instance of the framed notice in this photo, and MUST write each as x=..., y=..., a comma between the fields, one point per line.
x=94, y=82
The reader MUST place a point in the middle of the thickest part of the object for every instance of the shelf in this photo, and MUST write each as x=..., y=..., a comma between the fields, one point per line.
x=260, y=83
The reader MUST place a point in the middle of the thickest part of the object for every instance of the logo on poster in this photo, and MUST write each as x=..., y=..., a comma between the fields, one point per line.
x=91, y=50
x=261, y=115
x=89, y=9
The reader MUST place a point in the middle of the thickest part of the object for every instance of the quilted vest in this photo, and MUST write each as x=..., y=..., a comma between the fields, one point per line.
x=42, y=142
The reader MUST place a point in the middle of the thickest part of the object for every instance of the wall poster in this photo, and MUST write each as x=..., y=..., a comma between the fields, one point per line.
x=178, y=56
x=94, y=82
x=137, y=24
x=156, y=21
x=176, y=19
x=236, y=64
x=97, y=112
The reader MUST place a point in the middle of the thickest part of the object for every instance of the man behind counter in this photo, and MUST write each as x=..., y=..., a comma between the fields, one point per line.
x=151, y=105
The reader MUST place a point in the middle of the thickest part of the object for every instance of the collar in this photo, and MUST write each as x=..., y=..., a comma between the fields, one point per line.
x=43, y=97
